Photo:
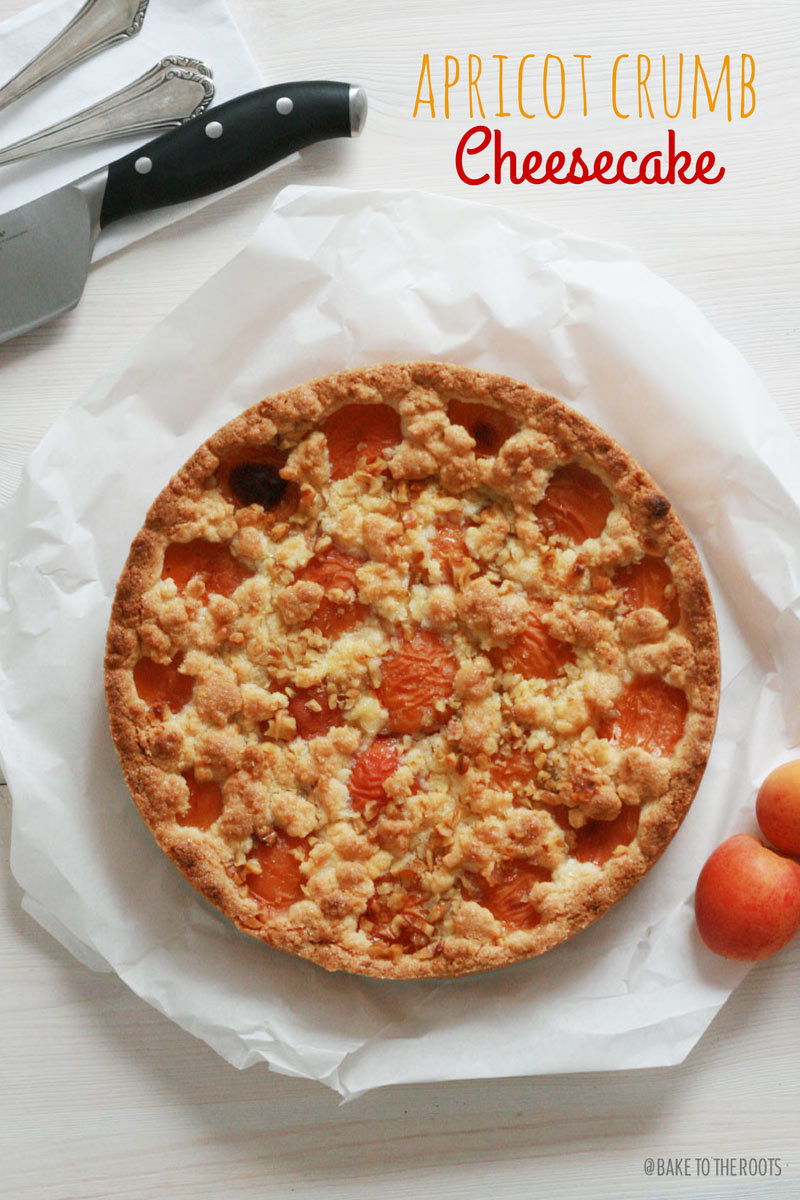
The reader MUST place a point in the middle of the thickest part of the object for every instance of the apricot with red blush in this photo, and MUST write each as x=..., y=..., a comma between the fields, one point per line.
x=747, y=900
x=778, y=808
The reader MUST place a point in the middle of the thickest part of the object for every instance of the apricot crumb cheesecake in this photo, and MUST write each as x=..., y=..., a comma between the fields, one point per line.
x=412, y=671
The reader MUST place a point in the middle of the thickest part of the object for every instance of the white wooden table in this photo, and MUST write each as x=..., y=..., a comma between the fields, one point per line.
x=101, y=1096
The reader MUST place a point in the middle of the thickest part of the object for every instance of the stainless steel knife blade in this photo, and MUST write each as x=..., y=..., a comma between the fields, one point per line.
x=46, y=246
x=45, y=251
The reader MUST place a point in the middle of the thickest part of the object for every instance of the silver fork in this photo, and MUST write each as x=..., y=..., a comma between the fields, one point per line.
x=171, y=92
x=99, y=24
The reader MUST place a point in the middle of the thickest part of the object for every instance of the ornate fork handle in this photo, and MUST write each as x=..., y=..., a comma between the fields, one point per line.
x=167, y=95
x=99, y=24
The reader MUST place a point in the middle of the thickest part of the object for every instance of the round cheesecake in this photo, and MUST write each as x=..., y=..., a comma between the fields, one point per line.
x=412, y=671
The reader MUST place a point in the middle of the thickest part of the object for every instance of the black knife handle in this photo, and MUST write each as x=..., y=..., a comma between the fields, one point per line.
x=227, y=144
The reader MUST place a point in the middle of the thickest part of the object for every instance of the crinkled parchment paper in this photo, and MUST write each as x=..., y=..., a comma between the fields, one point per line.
x=335, y=279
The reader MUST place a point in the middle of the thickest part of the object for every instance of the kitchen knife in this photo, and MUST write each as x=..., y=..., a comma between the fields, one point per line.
x=46, y=246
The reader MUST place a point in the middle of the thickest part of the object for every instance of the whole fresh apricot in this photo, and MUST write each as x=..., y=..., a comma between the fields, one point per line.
x=778, y=808
x=747, y=901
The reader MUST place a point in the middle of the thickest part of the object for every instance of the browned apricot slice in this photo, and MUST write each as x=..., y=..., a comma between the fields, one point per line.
x=507, y=893
x=534, y=653
x=280, y=883
x=252, y=476
x=332, y=620
x=414, y=677
x=370, y=771
x=648, y=584
x=449, y=548
x=397, y=918
x=213, y=562
x=205, y=802
x=513, y=772
x=311, y=710
x=575, y=505
x=335, y=571
x=596, y=841
x=489, y=427
x=160, y=684
x=650, y=714
x=332, y=569
x=357, y=435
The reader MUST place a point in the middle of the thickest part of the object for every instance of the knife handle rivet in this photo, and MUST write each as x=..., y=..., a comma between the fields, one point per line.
x=284, y=105
x=143, y=165
x=214, y=129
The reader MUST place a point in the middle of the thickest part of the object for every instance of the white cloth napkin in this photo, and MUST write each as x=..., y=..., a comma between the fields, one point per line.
x=201, y=29
x=357, y=278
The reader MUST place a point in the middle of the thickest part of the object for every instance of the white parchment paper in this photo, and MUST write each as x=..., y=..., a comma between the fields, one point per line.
x=202, y=29
x=335, y=279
